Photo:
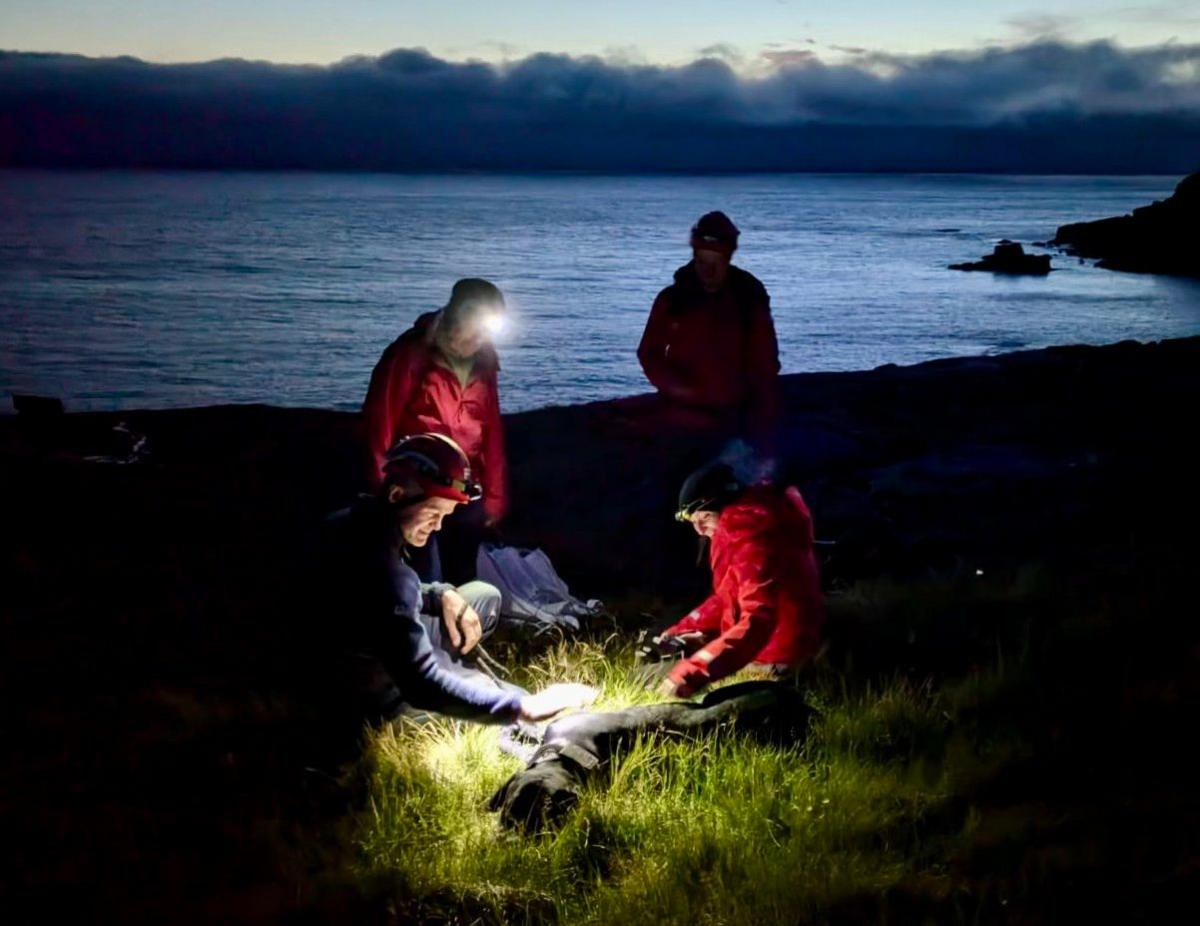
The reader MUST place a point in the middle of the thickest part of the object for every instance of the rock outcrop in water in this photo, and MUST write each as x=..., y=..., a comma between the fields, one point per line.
x=1009, y=257
x=1163, y=237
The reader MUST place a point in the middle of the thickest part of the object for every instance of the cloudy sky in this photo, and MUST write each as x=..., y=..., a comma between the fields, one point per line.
x=616, y=85
x=639, y=31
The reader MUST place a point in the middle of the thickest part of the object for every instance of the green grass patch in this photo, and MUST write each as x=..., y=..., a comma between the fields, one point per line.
x=718, y=830
x=961, y=767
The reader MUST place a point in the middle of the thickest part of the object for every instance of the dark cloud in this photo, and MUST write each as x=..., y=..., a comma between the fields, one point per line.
x=1046, y=106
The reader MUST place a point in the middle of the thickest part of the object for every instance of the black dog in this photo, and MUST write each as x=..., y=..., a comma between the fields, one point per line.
x=579, y=744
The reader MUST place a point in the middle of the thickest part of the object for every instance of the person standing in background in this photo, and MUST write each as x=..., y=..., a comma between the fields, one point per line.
x=709, y=347
x=440, y=377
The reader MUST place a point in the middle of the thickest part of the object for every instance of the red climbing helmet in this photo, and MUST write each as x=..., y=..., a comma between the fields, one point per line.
x=436, y=463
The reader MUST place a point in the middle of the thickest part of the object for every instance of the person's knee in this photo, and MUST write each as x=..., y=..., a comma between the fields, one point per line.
x=484, y=599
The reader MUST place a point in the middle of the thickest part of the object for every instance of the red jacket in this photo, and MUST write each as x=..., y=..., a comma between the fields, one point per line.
x=766, y=604
x=714, y=350
x=412, y=392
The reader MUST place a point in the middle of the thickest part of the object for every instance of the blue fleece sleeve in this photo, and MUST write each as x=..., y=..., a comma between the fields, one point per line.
x=410, y=660
x=431, y=596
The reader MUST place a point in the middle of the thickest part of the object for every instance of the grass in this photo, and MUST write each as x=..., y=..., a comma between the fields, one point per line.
x=880, y=815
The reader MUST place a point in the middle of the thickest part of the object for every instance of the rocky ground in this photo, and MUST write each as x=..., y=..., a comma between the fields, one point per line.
x=173, y=706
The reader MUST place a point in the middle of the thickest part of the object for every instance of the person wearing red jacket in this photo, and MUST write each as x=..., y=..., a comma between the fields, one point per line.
x=709, y=346
x=766, y=608
x=440, y=377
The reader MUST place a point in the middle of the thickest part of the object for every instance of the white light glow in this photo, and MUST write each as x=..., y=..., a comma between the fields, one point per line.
x=494, y=323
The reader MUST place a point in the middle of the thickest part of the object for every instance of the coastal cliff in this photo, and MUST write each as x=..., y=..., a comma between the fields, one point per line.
x=1163, y=237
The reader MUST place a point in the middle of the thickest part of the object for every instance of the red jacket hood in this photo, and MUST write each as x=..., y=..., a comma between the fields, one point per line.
x=761, y=509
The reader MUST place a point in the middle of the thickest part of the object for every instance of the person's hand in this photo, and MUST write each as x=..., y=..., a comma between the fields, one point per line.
x=669, y=688
x=462, y=624
x=554, y=698
x=673, y=689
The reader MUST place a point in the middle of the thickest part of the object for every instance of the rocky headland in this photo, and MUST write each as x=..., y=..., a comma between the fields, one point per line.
x=1163, y=237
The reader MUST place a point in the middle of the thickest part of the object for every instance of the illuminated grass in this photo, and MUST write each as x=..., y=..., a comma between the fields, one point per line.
x=715, y=830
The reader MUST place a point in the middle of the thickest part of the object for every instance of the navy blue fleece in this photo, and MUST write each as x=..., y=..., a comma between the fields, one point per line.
x=386, y=595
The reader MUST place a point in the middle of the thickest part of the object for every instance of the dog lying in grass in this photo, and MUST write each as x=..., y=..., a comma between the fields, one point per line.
x=576, y=746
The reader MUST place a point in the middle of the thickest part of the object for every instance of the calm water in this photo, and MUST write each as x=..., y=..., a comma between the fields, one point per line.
x=167, y=289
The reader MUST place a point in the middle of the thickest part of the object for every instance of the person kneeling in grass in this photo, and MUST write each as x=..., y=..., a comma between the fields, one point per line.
x=421, y=631
x=766, y=608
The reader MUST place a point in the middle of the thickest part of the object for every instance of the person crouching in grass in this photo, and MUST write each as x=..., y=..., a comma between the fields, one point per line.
x=766, y=608
x=421, y=631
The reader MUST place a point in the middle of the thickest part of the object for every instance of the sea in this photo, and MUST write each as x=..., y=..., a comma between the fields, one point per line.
x=132, y=289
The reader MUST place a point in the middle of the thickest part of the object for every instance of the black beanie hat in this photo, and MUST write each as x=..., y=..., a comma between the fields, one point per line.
x=469, y=296
x=709, y=488
x=716, y=232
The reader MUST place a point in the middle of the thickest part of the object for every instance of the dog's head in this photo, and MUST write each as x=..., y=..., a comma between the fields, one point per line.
x=538, y=797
